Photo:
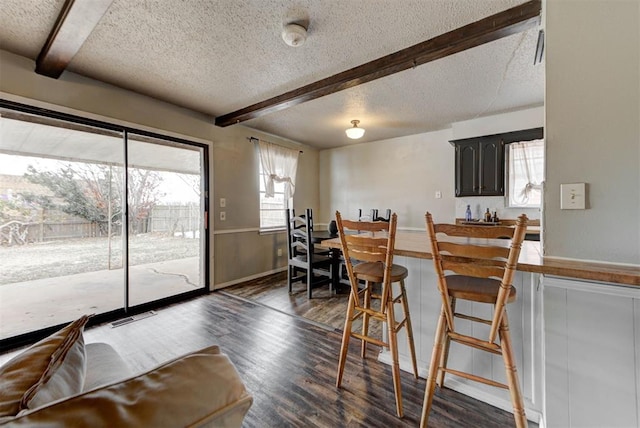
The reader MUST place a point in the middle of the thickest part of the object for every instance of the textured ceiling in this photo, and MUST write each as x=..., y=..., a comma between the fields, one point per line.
x=219, y=56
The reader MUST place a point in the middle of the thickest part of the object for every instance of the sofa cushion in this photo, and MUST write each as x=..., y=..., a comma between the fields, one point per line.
x=104, y=366
x=199, y=389
x=48, y=370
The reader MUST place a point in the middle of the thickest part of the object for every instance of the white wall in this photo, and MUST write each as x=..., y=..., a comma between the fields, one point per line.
x=592, y=128
x=497, y=124
x=404, y=173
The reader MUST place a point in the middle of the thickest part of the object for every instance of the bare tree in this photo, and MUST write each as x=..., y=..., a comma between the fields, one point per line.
x=95, y=192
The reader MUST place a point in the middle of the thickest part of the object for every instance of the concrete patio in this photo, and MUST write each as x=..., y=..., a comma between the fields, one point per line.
x=32, y=305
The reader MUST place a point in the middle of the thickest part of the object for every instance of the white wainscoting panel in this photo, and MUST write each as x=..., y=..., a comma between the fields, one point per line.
x=525, y=318
x=592, y=354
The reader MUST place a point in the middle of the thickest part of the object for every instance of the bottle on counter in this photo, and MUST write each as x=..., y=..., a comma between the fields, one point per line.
x=487, y=216
x=467, y=214
x=495, y=218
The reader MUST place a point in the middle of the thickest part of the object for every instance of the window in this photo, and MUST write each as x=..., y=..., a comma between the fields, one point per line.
x=277, y=176
x=526, y=173
x=272, y=210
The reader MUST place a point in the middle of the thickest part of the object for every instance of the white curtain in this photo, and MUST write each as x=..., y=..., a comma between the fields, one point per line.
x=279, y=165
x=528, y=163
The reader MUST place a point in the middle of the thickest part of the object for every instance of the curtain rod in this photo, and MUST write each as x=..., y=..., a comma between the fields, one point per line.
x=258, y=139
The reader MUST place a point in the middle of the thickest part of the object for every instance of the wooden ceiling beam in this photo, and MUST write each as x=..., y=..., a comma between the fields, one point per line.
x=76, y=21
x=494, y=27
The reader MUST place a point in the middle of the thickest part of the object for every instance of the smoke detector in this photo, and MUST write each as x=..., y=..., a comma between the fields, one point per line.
x=294, y=35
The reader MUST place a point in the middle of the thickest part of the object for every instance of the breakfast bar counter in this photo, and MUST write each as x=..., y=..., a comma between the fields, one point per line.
x=416, y=244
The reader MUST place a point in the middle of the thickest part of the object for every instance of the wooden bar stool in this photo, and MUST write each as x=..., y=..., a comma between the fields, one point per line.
x=486, y=278
x=372, y=249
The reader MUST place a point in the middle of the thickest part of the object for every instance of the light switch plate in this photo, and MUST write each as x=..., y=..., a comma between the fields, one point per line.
x=572, y=196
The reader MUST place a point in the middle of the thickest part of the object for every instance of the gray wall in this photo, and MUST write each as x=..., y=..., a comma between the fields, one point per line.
x=238, y=250
x=592, y=128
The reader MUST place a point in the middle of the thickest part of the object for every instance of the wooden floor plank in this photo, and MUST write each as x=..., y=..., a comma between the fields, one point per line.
x=289, y=366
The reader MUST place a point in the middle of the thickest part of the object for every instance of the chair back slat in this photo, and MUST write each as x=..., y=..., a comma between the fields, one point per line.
x=472, y=269
x=299, y=246
x=366, y=256
x=451, y=243
x=367, y=248
x=299, y=233
x=367, y=242
x=366, y=226
x=476, y=251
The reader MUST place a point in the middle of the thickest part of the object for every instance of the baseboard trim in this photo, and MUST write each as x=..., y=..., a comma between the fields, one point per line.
x=248, y=278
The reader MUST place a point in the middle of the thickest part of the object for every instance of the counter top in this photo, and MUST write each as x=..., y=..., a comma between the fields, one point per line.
x=416, y=244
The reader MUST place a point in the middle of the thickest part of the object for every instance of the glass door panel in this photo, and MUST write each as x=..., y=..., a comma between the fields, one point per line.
x=61, y=193
x=165, y=218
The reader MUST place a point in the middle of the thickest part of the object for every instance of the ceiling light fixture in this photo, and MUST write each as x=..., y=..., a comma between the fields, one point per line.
x=294, y=35
x=355, y=132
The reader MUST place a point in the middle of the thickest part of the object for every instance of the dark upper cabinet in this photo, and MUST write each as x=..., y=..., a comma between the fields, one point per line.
x=480, y=167
x=467, y=157
x=480, y=162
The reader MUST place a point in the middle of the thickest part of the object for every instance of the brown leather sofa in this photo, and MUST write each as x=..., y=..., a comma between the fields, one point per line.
x=199, y=389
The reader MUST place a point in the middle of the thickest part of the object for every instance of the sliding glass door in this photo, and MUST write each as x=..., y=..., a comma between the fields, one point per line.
x=94, y=220
x=165, y=222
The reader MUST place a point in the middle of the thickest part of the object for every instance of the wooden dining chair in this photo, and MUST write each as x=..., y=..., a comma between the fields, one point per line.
x=371, y=245
x=373, y=215
x=305, y=264
x=386, y=217
x=473, y=264
x=308, y=214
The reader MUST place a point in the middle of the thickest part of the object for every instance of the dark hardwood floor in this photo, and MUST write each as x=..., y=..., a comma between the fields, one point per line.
x=327, y=310
x=289, y=365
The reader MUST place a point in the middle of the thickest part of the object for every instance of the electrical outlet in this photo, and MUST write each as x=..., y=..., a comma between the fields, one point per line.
x=279, y=252
x=223, y=202
x=438, y=194
x=223, y=215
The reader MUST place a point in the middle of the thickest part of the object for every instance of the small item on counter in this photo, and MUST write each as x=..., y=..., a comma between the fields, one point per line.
x=467, y=214
x=487, y=216
x=495, y=218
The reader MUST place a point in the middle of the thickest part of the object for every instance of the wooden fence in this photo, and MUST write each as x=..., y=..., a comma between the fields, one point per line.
x=176, y=220
x=173, y=220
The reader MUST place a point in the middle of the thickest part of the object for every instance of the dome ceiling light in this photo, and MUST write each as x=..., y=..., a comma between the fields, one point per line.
x=294, y=35
x=355, y=132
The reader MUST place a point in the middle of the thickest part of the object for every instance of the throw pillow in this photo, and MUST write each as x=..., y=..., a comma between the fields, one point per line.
x=50, y=369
